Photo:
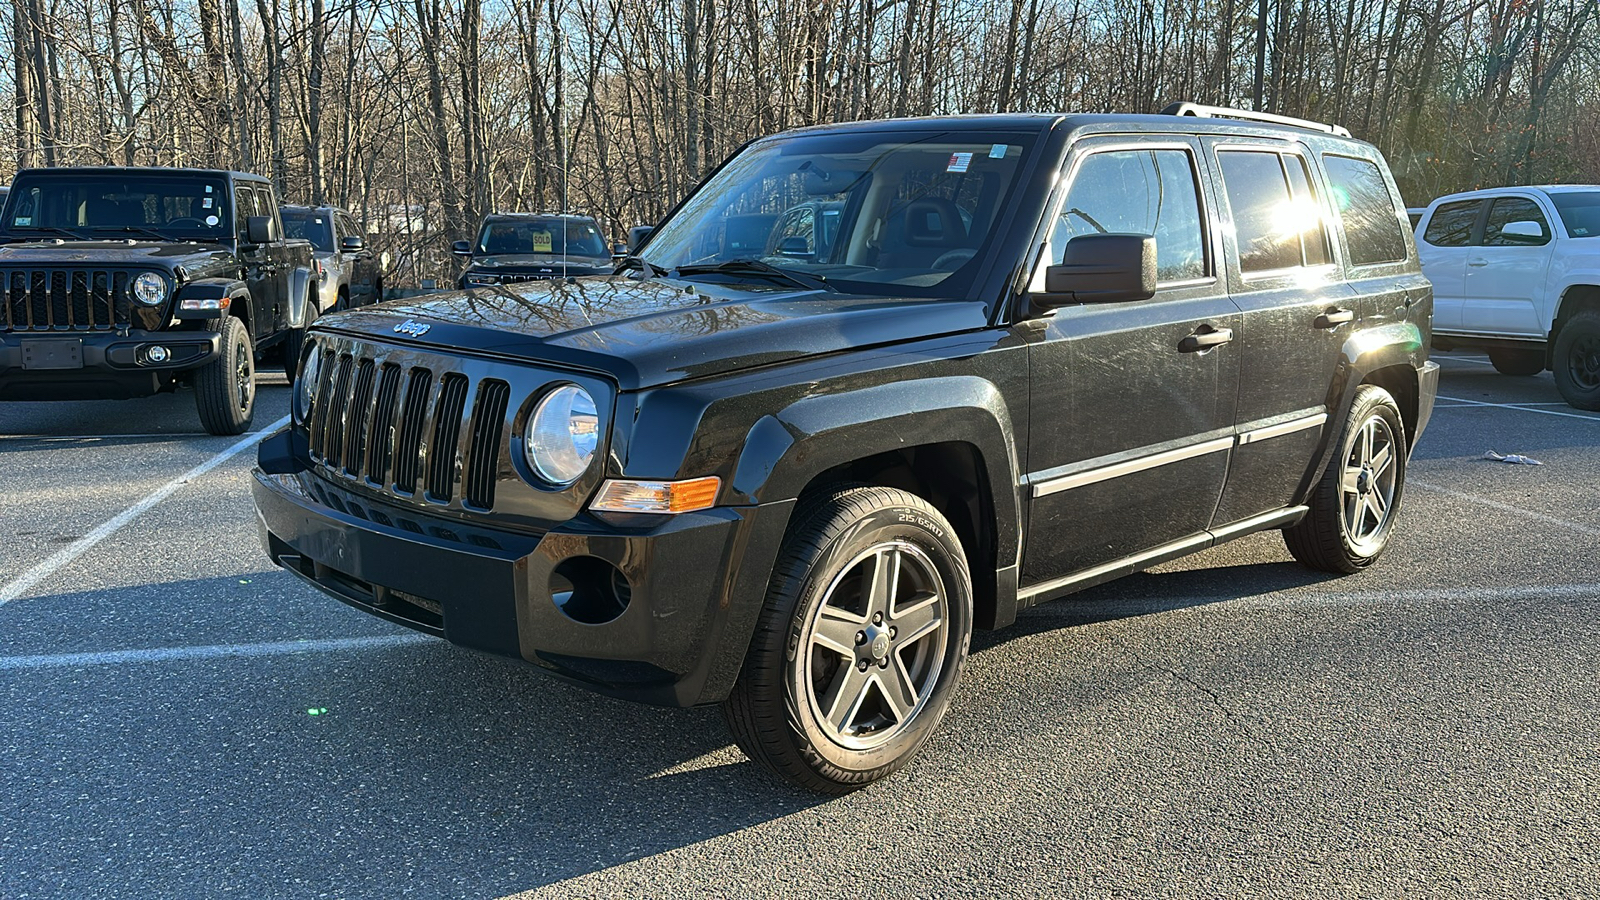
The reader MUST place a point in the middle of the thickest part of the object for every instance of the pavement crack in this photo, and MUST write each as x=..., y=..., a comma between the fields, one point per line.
x=1238, y=720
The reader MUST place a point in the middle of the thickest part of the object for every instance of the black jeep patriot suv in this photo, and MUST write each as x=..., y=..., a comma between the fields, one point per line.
x=124, y=282
x=1035, y=352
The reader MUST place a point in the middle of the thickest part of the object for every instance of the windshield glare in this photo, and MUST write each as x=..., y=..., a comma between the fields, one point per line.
x=897, y=213
x=543, y=235
x=1580, y=211
x=88, y=203
x=309, y=226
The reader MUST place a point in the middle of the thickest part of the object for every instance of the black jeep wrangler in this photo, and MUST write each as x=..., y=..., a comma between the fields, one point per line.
x=124, y=282
x=1035, y=353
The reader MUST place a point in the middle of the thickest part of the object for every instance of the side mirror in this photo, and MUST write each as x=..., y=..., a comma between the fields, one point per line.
x=350, y=243
x=258, y=230
x=637, y=235
x=1523, y=232
x=794, y=245
x=1101, y=268
x=461, y=248
x=619, y=250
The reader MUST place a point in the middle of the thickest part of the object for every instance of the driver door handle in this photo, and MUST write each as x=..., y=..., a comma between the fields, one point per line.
x=1477, y=262
x=1333, y=318
x=1204, y=338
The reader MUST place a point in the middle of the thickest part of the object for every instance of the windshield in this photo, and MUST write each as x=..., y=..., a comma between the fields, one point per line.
x=315, y=228
x=1580, y=210
x=579, y=237
x=909, y=214
x=101, y=204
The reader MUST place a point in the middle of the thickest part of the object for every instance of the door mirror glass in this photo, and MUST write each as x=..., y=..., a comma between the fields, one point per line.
x=258, y=230
x=351, y=243
x=1101, y=268
x=461, y=248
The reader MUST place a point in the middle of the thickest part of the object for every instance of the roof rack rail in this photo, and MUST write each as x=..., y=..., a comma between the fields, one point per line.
x=1227, y=112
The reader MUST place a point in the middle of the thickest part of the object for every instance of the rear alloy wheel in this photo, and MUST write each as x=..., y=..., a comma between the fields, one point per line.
x=860, y=645
x=1354, y=504
x=225, y=388
x=1576, y=362
x=1508, y=361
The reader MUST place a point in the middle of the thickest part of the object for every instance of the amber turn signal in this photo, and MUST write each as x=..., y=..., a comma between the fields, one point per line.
x=626, y=496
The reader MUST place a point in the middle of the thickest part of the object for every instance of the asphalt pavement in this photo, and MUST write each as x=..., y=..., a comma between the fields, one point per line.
x=183, y=720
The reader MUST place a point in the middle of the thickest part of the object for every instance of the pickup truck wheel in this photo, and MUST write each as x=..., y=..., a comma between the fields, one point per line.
x=1576, y=362
x=1517, y=362
x=860, y=644
x=225, y=388
x=294, y=343
x=1354, y=504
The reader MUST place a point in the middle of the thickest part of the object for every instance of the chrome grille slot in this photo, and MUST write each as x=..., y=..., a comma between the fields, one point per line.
x=483, y=454
x=65, y=300
x=382, y=441
x=408, y=436
x=445, y=448
x=357, y=418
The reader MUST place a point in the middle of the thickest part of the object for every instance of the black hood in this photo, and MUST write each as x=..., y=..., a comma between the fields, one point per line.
x=653, y=332
x=197, y=258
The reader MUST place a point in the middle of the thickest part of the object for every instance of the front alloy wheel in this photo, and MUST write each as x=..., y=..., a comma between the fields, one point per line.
x=860, y=644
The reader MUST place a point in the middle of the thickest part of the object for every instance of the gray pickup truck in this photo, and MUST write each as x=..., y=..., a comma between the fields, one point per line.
x=127, y=282
x=348, y=273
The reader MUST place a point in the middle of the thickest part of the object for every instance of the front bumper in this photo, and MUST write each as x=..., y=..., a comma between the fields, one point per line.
x=96, y=365
x=691, y=590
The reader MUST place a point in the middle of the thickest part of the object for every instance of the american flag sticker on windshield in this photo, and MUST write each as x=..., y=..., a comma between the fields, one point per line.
x=959, y=162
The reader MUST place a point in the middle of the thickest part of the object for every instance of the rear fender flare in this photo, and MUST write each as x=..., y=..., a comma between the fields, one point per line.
x=302, y=284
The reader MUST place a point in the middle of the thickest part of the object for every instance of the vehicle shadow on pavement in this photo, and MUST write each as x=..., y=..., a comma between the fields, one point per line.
x=168, y=415
x=397, y=767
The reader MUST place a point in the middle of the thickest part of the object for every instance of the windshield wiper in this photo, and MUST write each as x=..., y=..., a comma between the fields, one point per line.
x=71, y=234
x=752, y=266
x=137, y=229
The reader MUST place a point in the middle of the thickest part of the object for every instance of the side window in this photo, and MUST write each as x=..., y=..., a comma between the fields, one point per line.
x=1307, y=213
x=795, y=234
x=1371, y=216
x=244, y=207
x=1452, y=223
x=1526, y=214
x=1267, y=224
x=1150, y=192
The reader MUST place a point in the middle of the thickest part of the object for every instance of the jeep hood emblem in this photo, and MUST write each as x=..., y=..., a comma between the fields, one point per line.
x=413, y=328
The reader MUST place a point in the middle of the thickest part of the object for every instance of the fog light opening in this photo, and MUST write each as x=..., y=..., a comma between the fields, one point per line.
x=157, y=354
x=589, y=590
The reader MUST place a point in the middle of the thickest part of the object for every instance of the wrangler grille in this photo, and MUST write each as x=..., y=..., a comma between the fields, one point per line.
x=397, y=428
x=65, y=299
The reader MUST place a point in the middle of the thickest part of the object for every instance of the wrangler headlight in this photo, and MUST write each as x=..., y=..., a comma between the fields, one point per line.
x=562, y=434
x=150, y=289
x=305, y=388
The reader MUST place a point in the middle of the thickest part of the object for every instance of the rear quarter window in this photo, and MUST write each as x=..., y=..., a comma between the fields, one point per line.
x=1368, y=210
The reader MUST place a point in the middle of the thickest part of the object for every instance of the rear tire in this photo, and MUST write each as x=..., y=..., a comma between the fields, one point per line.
x=225, y=388
x=1508, y=361
x=1355, y=503
x=1576, y=361
x=861, y=642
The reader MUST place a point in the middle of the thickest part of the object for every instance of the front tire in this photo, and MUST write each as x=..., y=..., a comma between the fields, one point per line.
x=1509, y=361
x=861, y=642
x=1354, y=505
x=225, y=388
x=1576, y=361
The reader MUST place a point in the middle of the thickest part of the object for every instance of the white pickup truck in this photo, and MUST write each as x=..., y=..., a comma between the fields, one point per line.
x=1516, y=272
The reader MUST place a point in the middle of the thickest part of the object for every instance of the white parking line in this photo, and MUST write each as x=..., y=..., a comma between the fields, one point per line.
x=1503, y=507
x=1520, y=408
x=216, y=651
x=1463, y=359
x=71, y=552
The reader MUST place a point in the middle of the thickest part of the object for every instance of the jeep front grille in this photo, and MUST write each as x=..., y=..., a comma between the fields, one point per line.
x=65, y=299
x=396, y=428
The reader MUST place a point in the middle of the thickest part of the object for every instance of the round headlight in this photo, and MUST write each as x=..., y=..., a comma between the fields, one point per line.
x=150, y=289
x=562, y=434
x=305, y=388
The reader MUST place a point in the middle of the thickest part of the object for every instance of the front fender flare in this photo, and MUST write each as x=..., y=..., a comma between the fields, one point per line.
x=230, y=289
x=302, y=285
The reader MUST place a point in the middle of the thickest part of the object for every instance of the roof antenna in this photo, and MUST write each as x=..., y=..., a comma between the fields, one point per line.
x=566, y=149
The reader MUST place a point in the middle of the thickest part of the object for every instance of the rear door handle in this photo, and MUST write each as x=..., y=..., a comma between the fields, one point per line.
x=1477, y=262
x=1204, y=338
x=1333, y=318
